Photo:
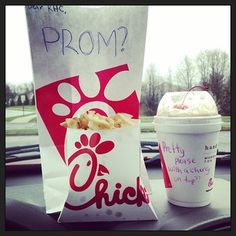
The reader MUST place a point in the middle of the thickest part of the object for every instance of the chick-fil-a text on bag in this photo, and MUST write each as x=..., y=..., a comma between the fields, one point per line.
x=90, y=58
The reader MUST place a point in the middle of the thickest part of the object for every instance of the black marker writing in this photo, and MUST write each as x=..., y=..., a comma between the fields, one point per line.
x=85, y=43
x=107, y=43
x=45, y=32
x=90, y=38
x=125, y=36
x=67, y=32
x=50, y=9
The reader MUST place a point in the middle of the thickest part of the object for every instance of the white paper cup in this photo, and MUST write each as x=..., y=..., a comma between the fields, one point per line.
x=188, y=147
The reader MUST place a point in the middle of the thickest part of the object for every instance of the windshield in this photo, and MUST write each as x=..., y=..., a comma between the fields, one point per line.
x=168, y=66
x=82, y=147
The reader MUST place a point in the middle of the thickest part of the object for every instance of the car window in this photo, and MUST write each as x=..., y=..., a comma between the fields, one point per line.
x=179, y=55
x=159, y=75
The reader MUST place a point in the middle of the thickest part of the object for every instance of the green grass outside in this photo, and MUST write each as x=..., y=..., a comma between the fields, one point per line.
x=225, y=127
x=16, y=132
x=20, y=108
x=28, y=108
x=33, y=120
x=226, y=118
x=146, y=119
x=144, y=128
x=146, y=122
x=9, y=119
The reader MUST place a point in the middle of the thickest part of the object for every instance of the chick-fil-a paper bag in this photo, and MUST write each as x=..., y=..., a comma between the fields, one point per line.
x=105, y=182
x=85, y=58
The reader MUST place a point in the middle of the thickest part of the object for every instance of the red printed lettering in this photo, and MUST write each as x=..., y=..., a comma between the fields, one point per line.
x=130, y=196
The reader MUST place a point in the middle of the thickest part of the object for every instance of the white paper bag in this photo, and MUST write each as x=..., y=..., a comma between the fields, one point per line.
x=105, y=181
x=87, y=58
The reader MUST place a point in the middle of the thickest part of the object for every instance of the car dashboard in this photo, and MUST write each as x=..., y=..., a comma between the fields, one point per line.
x=25, y=207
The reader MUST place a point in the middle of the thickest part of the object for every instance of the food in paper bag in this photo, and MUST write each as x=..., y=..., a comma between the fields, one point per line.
x=105, y=183
x=94, y=121
x=97, y=148
x=87, y=85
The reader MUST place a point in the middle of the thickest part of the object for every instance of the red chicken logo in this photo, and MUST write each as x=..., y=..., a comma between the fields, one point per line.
x=92, y=147
x=54, y=106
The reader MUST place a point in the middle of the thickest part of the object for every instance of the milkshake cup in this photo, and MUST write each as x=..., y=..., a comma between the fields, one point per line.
x=187, y=125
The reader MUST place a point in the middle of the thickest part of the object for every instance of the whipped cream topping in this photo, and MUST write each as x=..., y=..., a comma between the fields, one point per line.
x=196, y=103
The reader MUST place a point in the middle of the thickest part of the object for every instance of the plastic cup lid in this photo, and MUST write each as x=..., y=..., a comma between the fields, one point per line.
x=187, y=104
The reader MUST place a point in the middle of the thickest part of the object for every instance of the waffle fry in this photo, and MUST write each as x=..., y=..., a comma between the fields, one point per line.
x=71, y=123
x=94, y=121
x=121, y=120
